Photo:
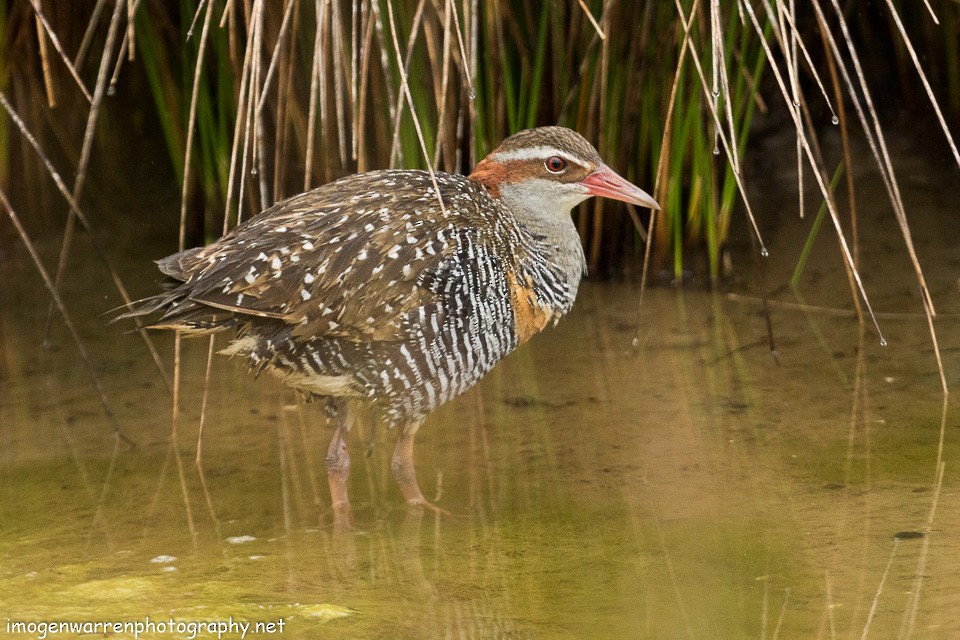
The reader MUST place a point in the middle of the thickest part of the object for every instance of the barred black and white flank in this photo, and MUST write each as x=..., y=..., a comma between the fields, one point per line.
x=367, y=289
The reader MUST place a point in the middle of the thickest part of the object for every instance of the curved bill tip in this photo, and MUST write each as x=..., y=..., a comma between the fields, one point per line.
x=606, y=183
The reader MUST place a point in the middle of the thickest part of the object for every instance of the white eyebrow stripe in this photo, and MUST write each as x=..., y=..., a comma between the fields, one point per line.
x=537, y=153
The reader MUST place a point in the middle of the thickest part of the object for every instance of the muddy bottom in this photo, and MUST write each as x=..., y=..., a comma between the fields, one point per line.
x=690, y=487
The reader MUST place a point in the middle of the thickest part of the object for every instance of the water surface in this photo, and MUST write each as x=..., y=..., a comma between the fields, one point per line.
x=687, y=488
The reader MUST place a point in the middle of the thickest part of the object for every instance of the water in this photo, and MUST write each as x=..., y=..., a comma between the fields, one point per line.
x=687, y=488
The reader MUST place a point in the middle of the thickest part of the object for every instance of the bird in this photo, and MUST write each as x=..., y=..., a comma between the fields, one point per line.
x=397, y=290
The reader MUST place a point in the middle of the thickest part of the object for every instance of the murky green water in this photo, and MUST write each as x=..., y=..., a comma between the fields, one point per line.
x=692, y=488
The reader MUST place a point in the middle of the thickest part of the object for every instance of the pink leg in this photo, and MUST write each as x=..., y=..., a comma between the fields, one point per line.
x=338, y=467
x=403, y=469
x=402, y=465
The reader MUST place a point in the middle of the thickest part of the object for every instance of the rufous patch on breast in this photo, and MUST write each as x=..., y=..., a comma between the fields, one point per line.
x=529, y=316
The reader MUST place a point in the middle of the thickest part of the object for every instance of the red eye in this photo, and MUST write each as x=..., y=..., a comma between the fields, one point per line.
x=556, y=164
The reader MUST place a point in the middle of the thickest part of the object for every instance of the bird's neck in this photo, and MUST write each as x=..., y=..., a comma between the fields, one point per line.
x=551, y=230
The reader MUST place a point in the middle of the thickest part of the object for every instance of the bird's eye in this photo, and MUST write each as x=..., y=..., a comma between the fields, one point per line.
x=556, y=164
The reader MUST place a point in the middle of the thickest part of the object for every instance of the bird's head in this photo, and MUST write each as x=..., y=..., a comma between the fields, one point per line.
x=550, y=170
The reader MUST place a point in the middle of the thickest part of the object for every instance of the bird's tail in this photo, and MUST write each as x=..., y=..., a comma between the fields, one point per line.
x=179, y=313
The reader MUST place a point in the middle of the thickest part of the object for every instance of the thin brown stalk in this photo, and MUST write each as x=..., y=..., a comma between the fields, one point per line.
x=85, y=152
x=818, y=175
x=287, y=109
x=355, y=20
x=238, y=128
x=88, y=34
x=45, y=65
x=100, y=251
x=847, y=155
x=444, y=82
x=727, y=144
x=403, y=64
x=131, y=29
x=227, y=13
x=923, y=79
x=887, y=164
x=315, y=79
x=413, y=112
x=596, y=27
x=659, y=185
x=384, y=57
x=67, y=320
x=256, y=135
x=362, y=101
x=191, y=126
x=284, y=29
x=42, y=20
x=339, y=81
x=196, y=16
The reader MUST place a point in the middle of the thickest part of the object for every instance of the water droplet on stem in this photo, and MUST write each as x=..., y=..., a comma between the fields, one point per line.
x=835, y=120
x=111, y=89
x=764, y=253
x=883, y=342
x=716, y=151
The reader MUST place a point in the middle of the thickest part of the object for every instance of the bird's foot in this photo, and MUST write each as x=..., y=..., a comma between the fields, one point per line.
x=422, y=503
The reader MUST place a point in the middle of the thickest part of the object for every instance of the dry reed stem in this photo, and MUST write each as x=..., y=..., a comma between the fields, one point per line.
x=100, y=251
x=360, y=133
x=192, y=125
x=312, y=101
x=727, y=144
x=45, y=65
x=413, y=112
x=923, y=79
x=281, y=35
x=876, y=596
x=67, y=320
x=42, y=20
x=724, y=85
x=242, y=97
x=355, y=20
x=85, y=155
x=403, y=64
x=818, y=175
x=596, y=27
x=257, y=149
x=659, y=185
x=338, y=60
x=444, y=84
x=88, y=34
x=885, y=166
x=899, y=209
x=196, y=16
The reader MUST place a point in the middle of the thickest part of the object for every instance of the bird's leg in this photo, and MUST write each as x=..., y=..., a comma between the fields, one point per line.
x=338, y=464
x=403, y=469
